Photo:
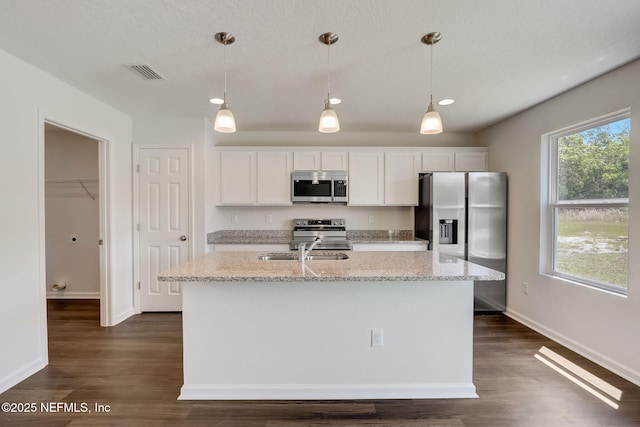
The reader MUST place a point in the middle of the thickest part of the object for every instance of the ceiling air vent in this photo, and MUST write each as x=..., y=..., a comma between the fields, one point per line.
x=145, y=71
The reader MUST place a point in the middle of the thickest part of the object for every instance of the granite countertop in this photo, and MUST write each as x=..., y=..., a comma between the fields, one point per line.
x=238, y=237
x=361, y=266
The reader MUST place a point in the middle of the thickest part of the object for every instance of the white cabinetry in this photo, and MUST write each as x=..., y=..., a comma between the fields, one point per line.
x=251, y=247
x=370, y=247
x=438, y=161
x=320, y=160
x=335, y=160
x=306, y=161
x=366, y=178
x=250, y=178
x=401, y=169
x=274, y=178
x=237, y=177
x=473, y=161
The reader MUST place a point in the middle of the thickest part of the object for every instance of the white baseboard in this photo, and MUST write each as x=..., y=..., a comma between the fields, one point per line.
x=325, y=391
x=21, y=374
x=72, y=295
x=606, y=362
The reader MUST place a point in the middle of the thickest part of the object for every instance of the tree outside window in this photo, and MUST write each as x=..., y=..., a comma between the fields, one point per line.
x=589, y=199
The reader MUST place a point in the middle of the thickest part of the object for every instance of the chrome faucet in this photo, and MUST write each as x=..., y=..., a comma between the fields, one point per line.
x=303, y=251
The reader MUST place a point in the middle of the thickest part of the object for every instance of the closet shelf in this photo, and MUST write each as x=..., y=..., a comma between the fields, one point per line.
x=78, y=187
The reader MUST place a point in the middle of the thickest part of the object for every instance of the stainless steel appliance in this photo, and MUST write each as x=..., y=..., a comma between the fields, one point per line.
x=332, y=233
x=319, y=187
x=465, y=215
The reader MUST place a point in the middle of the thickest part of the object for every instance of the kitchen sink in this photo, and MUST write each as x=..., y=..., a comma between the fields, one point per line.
x=292, y=256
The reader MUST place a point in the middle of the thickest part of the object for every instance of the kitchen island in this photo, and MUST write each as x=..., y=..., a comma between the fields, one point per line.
x=377, y=325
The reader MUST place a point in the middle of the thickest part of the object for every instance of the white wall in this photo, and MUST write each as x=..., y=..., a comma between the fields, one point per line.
x=28, y=96
x=70, y=211
x=599, y=325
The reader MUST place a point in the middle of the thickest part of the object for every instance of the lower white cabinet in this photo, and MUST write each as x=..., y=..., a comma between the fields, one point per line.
x=413, y=246
x=248, y=247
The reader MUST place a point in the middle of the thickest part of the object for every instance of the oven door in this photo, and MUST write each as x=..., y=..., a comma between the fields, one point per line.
x=308, y=190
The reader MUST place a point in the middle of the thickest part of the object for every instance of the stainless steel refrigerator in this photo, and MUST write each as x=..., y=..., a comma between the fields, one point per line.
x=465, y=215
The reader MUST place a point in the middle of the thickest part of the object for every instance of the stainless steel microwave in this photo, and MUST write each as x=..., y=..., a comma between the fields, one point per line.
x=319, y=187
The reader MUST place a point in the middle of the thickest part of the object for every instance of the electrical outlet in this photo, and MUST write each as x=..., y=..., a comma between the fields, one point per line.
x=377, y=338
x=234, y=218
x=268, y=219
x=371, y=219
x=525, y=288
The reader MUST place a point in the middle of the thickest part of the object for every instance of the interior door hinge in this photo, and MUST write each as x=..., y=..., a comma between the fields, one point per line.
x=138, y=227
x=138, y=285
x=100, y=242
x=138, y=168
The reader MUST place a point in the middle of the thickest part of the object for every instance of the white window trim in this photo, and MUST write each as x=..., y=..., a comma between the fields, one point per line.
x=549, y=201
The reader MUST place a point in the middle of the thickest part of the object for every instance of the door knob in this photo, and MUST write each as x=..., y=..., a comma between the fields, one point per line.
x=183, y=238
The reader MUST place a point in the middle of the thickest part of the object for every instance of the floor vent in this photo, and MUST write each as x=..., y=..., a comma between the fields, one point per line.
x=145, y=71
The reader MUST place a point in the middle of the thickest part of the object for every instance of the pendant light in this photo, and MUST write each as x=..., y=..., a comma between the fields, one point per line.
x=225, y=122
x=431, y=122
x=328, y=119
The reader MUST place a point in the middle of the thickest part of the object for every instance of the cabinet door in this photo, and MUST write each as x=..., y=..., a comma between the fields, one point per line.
x=306, y=161
x=335, y=160
x=366, y=178
x=274, y=178
x=438, y=161
x=471, y=162
x=237, y=177
x=401, y=171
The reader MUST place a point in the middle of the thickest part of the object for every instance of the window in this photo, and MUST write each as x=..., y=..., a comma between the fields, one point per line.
x=588, y=198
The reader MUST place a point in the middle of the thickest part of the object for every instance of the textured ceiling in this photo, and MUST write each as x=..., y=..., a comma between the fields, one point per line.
x=497, y=57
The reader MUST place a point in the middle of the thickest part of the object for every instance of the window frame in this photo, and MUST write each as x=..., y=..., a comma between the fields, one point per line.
x=552, y=204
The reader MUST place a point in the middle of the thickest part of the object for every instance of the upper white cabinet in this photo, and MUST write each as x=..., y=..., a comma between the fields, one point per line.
x=471, y=161
x=237, y=177
x=320, y=160
x=274, y=178
x=458, y=160
x=250, y=178
x=401, y=169
x=438, y=161
x=306, y=160
x=377, y=177
x=335, y=160
x=366, y=178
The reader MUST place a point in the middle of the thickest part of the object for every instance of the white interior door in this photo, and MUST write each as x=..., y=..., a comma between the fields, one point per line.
x=164, y=211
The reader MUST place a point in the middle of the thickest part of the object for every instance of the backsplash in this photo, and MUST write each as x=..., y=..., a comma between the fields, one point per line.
x=280, y=217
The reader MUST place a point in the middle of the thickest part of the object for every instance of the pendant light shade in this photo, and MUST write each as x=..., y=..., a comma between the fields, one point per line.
x=431, y=121
x=329, y=122
x=225, y=122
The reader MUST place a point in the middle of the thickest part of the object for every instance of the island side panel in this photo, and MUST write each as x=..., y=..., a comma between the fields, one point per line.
x=312, y=340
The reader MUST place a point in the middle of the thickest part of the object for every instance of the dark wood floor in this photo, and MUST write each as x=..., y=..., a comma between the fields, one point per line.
x=136, y=369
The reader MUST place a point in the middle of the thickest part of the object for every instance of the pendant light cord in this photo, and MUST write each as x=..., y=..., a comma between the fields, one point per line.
x=431, y=78
x=224, y=55
x=328, y=71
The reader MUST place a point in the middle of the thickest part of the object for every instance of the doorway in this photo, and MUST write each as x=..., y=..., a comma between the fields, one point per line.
x=74, y=216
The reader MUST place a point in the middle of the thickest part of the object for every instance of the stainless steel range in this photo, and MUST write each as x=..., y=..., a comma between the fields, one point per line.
x=332, y=232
